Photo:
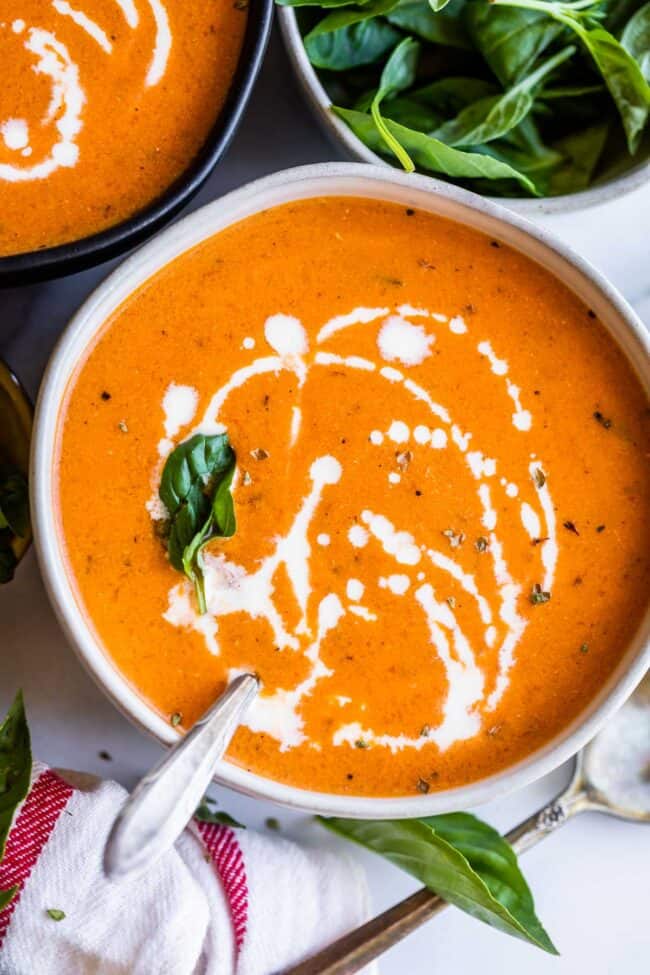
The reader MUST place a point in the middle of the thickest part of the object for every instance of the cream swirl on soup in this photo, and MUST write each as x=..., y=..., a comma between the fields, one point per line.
x=54, y=61
x=104, y=103
x=424, y=562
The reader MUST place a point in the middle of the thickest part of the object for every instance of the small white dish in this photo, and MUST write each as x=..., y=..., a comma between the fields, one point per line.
x=343, y=138
x=324, y=179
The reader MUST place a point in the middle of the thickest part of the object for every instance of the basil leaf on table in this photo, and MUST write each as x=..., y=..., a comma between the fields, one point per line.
x=463, y=860
x=445, y=28
x=361, y=43
x=398, y=74
x=508, y=38
x=15, y=773
x=430, y=153
x=195, y=489
x=636, y=39
x=490, y=118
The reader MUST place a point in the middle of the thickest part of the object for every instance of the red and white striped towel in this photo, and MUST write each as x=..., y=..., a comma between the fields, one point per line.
x=223, y=901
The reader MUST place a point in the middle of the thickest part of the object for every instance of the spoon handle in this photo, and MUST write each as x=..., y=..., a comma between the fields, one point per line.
x=161, y=805
x=357, y=949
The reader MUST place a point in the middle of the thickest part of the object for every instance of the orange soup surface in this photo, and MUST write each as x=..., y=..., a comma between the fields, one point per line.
x=441, y=495
x=103, y=104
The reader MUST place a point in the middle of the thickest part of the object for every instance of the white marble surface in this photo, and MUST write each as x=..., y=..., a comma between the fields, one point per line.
x=592, y=880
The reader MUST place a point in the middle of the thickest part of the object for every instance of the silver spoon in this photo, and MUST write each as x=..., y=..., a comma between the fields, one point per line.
x=163, y=802
x=611, y=775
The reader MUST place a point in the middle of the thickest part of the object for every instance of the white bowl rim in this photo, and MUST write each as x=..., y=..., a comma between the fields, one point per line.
x=620, y=185
x=337, y=179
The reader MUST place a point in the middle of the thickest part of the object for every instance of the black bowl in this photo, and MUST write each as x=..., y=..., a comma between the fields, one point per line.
x=80, y=254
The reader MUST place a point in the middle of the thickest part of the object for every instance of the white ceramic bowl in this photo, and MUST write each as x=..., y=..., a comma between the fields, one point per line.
x=326, y=179
x=343, y=137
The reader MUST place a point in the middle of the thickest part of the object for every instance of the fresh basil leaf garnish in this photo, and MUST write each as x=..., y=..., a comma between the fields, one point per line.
x=463, y=860
x=15, y=773
x=195, y=489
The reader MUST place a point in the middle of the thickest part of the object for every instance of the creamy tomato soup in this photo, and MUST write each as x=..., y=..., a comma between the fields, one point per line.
x=103, y=104
x=441, y=494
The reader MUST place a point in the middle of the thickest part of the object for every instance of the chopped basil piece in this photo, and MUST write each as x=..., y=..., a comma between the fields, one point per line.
x=538, y=596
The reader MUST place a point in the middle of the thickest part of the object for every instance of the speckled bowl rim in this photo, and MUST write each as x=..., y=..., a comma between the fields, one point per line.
x=338, y=179
x=343, y=137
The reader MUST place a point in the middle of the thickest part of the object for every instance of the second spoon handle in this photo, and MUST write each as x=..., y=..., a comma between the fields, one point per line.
x=162, y=804
x=357, y=949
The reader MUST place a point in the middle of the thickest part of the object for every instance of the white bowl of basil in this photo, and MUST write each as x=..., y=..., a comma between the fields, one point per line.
x=542, y=104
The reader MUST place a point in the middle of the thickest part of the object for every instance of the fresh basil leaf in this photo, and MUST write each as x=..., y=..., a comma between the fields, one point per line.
x=524, y=150
x=616, y=13
x=185, y=478
x=349, y=47
x=437, y=5
x=347, y=18
x=326, y=4
x=7, y=895
x=620, y=72
x=221, y=523
x=460, y=858
x=14, y=503
x=623, y=77
x=581, y=152
x=417, y=17
x=431, y=154
x=398, y=74
x=407, y=111
x=195, y=489
x=636, y=39
x=206, y=815
x=190, y=465
x=510, y=39
x=448, y=96
x=572, y=91
x=15, y=773
x=494, y=860
x=490, y=118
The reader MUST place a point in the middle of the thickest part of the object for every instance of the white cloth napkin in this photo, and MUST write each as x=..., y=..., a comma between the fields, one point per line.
x=222, y=902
